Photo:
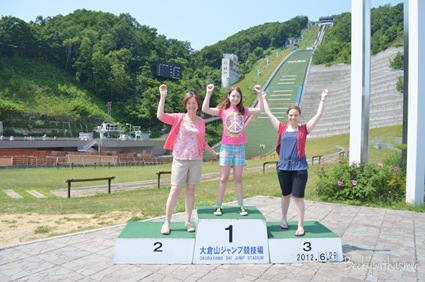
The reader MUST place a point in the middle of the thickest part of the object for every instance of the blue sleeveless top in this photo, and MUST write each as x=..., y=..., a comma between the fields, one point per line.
x=288, y=157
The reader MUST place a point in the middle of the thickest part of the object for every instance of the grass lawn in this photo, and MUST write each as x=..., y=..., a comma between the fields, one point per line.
x=32, y=218
x=150, y=201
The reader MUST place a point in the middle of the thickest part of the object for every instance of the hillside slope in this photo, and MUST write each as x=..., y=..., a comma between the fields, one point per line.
x=386, y=105
x=38, y=98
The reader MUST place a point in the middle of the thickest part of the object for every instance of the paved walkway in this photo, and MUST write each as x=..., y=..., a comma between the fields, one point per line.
x=378, y=245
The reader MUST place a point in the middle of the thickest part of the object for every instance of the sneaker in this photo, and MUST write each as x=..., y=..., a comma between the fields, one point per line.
x=218, y=210
x=242, y=211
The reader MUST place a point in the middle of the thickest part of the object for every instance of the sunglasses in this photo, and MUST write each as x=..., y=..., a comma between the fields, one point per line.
x=191, y=93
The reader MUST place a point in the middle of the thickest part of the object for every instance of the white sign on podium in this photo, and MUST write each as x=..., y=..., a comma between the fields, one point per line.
x=143, y=243
x=231, y=238
x=319, y=244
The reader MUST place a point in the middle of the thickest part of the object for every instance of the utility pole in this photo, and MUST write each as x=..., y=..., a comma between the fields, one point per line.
x=109, y=105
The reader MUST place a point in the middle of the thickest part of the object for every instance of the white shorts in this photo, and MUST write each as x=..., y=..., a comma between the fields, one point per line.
x=186, y=172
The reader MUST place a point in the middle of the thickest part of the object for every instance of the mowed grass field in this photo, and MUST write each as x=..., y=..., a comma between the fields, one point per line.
x=151, y=201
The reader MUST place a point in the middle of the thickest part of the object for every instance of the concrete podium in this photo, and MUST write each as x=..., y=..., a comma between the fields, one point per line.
x=227, y=239
x=143, y=243
x=231, y=238
x=319, y=244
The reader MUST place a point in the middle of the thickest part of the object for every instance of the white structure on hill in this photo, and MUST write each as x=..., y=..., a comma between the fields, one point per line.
x=324, y=24
x=386, y=103
x=229, y=70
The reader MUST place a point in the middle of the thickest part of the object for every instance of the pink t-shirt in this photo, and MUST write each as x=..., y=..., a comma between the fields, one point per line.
x=186, y=145
x=233, y=126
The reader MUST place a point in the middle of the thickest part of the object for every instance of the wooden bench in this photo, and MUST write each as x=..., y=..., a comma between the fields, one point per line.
x=69, y=181
x=264, y=165
x=316, y=157
x=342, y=154
x=159, y=176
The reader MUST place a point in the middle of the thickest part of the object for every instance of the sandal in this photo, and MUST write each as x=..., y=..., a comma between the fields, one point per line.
x=190, y=228
x=165, y=230
x=300, y=232
x=284, y=225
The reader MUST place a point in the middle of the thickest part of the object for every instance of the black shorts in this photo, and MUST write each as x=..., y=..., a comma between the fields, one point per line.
x=293, y=182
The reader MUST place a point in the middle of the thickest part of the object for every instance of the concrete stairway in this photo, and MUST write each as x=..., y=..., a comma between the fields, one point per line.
x=386, y=105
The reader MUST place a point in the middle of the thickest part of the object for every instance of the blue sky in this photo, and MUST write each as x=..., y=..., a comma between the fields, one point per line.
x=199, y=22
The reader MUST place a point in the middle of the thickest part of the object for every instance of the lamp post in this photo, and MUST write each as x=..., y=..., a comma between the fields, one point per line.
x=109, y=105
x=130, y=128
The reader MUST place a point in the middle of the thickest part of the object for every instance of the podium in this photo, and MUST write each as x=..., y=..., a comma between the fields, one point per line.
x=231, y=238
x=319, y=244
x=227, y=239
x=143, y=243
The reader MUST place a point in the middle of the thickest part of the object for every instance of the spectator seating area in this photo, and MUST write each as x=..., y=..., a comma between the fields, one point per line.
x=34, y=158
x=386, y=103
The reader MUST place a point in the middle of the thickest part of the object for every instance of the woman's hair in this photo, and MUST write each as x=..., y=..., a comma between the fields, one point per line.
x=190, y=95
x=225, y=103
x=294, y=108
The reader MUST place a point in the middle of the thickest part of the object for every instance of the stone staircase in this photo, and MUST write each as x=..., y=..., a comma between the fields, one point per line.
x=386, y=103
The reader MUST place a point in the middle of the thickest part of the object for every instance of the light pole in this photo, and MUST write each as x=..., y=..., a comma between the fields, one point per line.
x=130, y=127
x=109, y=105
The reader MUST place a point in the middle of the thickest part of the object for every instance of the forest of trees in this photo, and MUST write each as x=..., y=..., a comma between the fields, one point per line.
x=386, y=30
x=114, y=59
x=74, y=64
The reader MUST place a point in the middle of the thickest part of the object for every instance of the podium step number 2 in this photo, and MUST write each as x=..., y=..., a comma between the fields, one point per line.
x=143, y=243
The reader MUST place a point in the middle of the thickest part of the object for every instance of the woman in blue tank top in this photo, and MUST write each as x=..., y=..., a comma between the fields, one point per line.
x=292, y=165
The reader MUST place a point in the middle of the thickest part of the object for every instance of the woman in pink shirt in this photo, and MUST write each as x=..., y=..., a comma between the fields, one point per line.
x=232, y=149
x=187, y=141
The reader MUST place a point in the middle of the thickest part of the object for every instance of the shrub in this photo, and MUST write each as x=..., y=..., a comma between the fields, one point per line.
x=341, y=181
x=42, y=229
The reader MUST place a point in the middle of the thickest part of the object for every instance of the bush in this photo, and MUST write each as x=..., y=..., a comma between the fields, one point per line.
x=363, y=182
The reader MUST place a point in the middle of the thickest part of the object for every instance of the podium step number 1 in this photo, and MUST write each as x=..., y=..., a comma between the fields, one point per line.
x=231, y=238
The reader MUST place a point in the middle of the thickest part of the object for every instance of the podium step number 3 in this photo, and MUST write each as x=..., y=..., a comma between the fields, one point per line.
x=319, y=244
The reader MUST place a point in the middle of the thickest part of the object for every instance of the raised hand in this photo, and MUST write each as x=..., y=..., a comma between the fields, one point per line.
x=258, y=89
x=163, y=90
x=210, y=88
x=325, y=93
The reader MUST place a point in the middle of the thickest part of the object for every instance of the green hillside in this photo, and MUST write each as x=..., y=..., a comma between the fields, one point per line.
x=57, y=74
x=39, y=97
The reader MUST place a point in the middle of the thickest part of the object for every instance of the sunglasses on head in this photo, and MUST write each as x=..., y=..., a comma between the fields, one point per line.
x=191, y=93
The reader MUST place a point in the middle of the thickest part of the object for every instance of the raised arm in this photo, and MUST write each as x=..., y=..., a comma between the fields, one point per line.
x=314, y=120
x=206, y=104
x=260, y=108
x=163, y=93
x=275, y=122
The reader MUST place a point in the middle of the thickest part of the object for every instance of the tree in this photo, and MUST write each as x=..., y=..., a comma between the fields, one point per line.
x=16, y=38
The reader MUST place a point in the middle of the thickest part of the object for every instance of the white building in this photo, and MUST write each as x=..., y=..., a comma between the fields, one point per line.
x=229, y=70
